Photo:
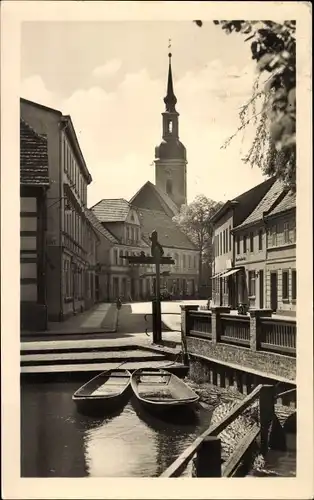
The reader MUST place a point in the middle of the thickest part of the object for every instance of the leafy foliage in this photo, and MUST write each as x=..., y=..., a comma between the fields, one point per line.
x=273, y=47
x=194, y=221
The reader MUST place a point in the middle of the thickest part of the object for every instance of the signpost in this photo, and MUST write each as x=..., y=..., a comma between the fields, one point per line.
x=157, y=259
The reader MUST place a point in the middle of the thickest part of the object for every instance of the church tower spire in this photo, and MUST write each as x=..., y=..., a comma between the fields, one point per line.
x=170, y=100
x=170, y=155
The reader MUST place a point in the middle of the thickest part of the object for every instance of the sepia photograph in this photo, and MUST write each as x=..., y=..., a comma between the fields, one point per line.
x=158, y=271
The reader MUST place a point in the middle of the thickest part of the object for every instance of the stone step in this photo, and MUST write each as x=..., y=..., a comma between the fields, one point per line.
x=62, y=373
x=79, y=348
x=90, y=357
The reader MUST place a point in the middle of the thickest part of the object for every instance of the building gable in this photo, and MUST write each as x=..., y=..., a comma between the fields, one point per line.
x=152, y=198
x=132, y=217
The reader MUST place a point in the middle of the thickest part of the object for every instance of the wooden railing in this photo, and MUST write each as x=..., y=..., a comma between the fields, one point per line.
x=207, y=447
x=278, y=335
x=254, y=331
x=201, y=324
x=235, y=329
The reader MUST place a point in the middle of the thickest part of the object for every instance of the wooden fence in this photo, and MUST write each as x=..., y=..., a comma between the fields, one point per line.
x=235, y=329
x=201, y=324
x=257, y=331
x=207, y=447
x=278, y=335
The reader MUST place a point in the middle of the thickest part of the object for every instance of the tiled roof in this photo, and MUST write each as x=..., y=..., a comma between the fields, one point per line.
x=99, y=227
x=142, y=199
x=245, y=203
x=287, y=203
x=171, y=204
x=265, y=204
x=111, y=210
x=169, y=235
x=33, y=157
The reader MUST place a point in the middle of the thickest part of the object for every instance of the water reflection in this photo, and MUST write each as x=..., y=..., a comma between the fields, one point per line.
x=58, y=441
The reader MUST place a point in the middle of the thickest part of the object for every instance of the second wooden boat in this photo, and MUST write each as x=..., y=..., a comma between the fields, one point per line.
x=104, y=393
x=159, y=390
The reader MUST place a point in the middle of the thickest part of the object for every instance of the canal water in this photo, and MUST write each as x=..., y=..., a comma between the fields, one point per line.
x=57, y=441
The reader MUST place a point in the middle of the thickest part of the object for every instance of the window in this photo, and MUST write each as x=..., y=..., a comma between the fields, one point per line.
x=252, y=283
x=293, y=232
x=176, y=259
x=217, y=244
x=169, y=186
x=285, y=285
x=195, y=262
x=274, y=236
x=184, y=261
x=190, y=261
x=121, y=260
x=286, y=232
x=230, y=239
x=220, y=245
x=244, y=244
x=294, y=284
x=260, y=239
x=224, y=241
x=67, y=278
x=251, y=242
x=238, y=244
x=64, y=156
x=68, y=160
x=115, y=257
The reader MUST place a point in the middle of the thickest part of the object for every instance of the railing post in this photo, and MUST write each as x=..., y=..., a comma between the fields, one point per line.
x=256, y=327
x=186, y=324
x=267, y=413
x=208, y=458
x=216, y=322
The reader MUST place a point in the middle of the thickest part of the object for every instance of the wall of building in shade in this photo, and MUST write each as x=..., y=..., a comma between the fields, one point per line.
x=69, y=239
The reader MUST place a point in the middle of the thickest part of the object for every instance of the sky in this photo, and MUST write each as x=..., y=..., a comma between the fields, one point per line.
x=111, y=78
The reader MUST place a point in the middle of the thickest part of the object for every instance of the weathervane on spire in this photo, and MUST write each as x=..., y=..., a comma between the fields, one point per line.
x=169, y=47
x=170, y=100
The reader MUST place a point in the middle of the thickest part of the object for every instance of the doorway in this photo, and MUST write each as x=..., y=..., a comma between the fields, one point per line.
x=273, y=291
x=261, y=289
x=97, y=292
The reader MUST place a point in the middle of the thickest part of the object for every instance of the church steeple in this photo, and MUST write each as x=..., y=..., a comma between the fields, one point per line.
x=170, y=100
x=170, y=155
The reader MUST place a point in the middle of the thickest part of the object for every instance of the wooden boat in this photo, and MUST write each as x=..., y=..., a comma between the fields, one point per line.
x=104, y=393
x=159, y=390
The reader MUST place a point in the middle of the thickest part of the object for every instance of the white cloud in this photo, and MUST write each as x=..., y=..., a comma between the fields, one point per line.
x=34, y=89
x=119, y=130
x=108, y=69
